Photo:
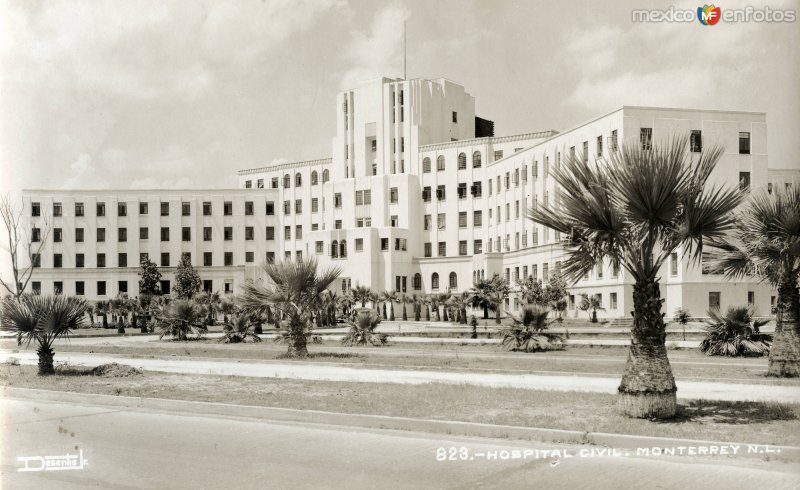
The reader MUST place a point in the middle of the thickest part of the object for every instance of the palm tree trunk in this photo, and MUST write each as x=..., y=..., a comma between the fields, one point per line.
x=594, y=316
x=464, y=315
x=120, y=325
x=485, y=311
x=391, y=313
x=105, y=320
x=427, y=313
x=497, y=315
x=405, y=315
x=417, y=311
x=784, y=355
x=143, y=324
x=647, y=389
x=384, y=311
x=444, y=314
x=45, y=353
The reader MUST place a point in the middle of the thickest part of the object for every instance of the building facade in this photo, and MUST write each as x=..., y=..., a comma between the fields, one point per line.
x=419, y=195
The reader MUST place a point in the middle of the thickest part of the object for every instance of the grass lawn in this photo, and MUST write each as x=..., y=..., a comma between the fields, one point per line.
x=746, y=422
x=687, y=365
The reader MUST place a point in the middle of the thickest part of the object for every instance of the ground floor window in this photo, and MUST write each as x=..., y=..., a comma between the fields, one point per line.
x=714, y=300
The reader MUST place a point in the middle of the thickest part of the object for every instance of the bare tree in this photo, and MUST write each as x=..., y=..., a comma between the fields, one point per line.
x=20, y=244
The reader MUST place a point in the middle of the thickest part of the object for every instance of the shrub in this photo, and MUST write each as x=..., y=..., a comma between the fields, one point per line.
x=734, y=334
x=528, y=333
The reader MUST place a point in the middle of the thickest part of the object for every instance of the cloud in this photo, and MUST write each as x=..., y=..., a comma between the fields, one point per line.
x=82, y=175
x=378, y=52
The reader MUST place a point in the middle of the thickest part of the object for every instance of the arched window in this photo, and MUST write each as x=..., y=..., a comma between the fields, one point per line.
x=298, y=179
x=453, y=280
x=314, y=178
x=476, y=159
x=326, y=176
x=334, y=249
x=287, y=181
x=426, y=165
x=462, y=161
x=440, y=163
x=343, y=249
x=417, y=281
x=435, y=280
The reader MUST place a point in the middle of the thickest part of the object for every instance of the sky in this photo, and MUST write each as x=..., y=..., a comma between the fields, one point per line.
x=181, y=94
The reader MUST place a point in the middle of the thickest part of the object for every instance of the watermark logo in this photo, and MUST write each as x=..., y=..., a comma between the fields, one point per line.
x=708, y=15
x=53, y=463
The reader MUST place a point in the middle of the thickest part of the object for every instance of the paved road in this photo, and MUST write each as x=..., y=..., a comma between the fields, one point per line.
x=342, y=372
x=129, y=449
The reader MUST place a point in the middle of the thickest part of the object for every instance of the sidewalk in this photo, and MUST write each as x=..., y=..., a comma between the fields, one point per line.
x=332, y=372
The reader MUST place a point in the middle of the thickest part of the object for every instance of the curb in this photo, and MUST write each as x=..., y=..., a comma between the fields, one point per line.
x=469, y=429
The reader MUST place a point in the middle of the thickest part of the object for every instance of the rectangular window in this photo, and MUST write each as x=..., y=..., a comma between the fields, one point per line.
x=122, y=259
x=751, y=298
x=359, y=244
x=477, y=247
x=673, y=271
x=186, y=209
x=337, y=200
x=186, y=234
x=36, y=209
x=122, y=209
x=101, y=209
x=599, y=147
x=249, y=257
x=260, y=184
x=646, y=138
x=228, y=257
x=440, y=195
x=613, y=146
x=36, y=287
x=56, y=209
x=227, y=208
x=428, y=249
x=79, y=288
x=393, y=195
x=298, y=206
x=384, y=244
x=164, y=234
x=143, y=208
x=36, y=235
x=498, y=154
x=58, y=261
x=462, y=219
x=337, y=225
x=206, y=208
x=442, y=249
x=227, y=233
x=248, y=184
x=207, y=259
x=462, y=247
x=164, y=209
x=101, y=234
x=441, y=221
x=613, y=301
x=165, y=259
x=78, y=260
x=744, y=143
x=270, y=257
x=248, y=208
x=319, y=247
x=249, y=233
x=270, y=232
x=287, y=232
x=36, y=260
x=426, y=194
x=314, y=205
x=744, y=181
x=78, y=209
x=585, y=151
x=477, y=218
x=206, y=233
x=298, y=232
x=714, y=300
x=101, y=260
x=122, y=235
x=58, y=235
x=455, y=116
x=696, y=141
x=270, y=208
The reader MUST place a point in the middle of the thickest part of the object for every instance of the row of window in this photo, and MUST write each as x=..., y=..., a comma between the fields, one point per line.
x=144, y=234
x=122, y=287
x=144, y=209
x=287, y=180
x=122, y=259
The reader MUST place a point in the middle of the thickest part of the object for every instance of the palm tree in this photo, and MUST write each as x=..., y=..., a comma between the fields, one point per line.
x=417, y=301
x=481, y=291
x=683, y=317
x=102, y=307
x=389, y=297
x=238, y=330
x=362, y=294
x=635, y=210
x=362, y=330
x=766, y=243
x=428, y=304
x=433, y=300
x=119, y=309
x=404, y=299
x=592, y=303
x=460, y=302
x=734, y=334
x=180, y=317
x=529, y=332
x=375, y=298
x=211, y=301
x=227, y=306
x=43, y=319
x=295, y=290
x=90, y=312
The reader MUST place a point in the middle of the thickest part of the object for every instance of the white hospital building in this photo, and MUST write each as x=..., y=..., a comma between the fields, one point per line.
x=418, y=195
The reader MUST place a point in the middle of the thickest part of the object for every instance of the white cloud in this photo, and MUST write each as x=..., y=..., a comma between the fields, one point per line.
x=378, y=52
x=82, y=175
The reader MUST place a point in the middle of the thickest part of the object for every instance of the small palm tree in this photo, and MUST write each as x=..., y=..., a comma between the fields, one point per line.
x=766, y=243
x=417, y=301
x=683, y=316
x=635, y=208
x=362, y=330
x=734, y=334
x=238, y=330
x=90, y=312
x=181, y=317
x=119, y=308
x=404, y=299
x=528, y=333
x=391, y=298
x=362, y=294
x=102, y=308
x=43, y=319
x=481, y=294
x=427, y=303
x=227, y=306
x=592, y=304
x=295, y=290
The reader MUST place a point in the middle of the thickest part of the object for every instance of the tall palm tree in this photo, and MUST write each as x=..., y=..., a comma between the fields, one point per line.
x=592, y=304
x=417, y=301
x=480, y=292
x=391, y=298
x=766, y=243
x=294, y=289
x=362, y=294
x=43, y=319
x=635, y=209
